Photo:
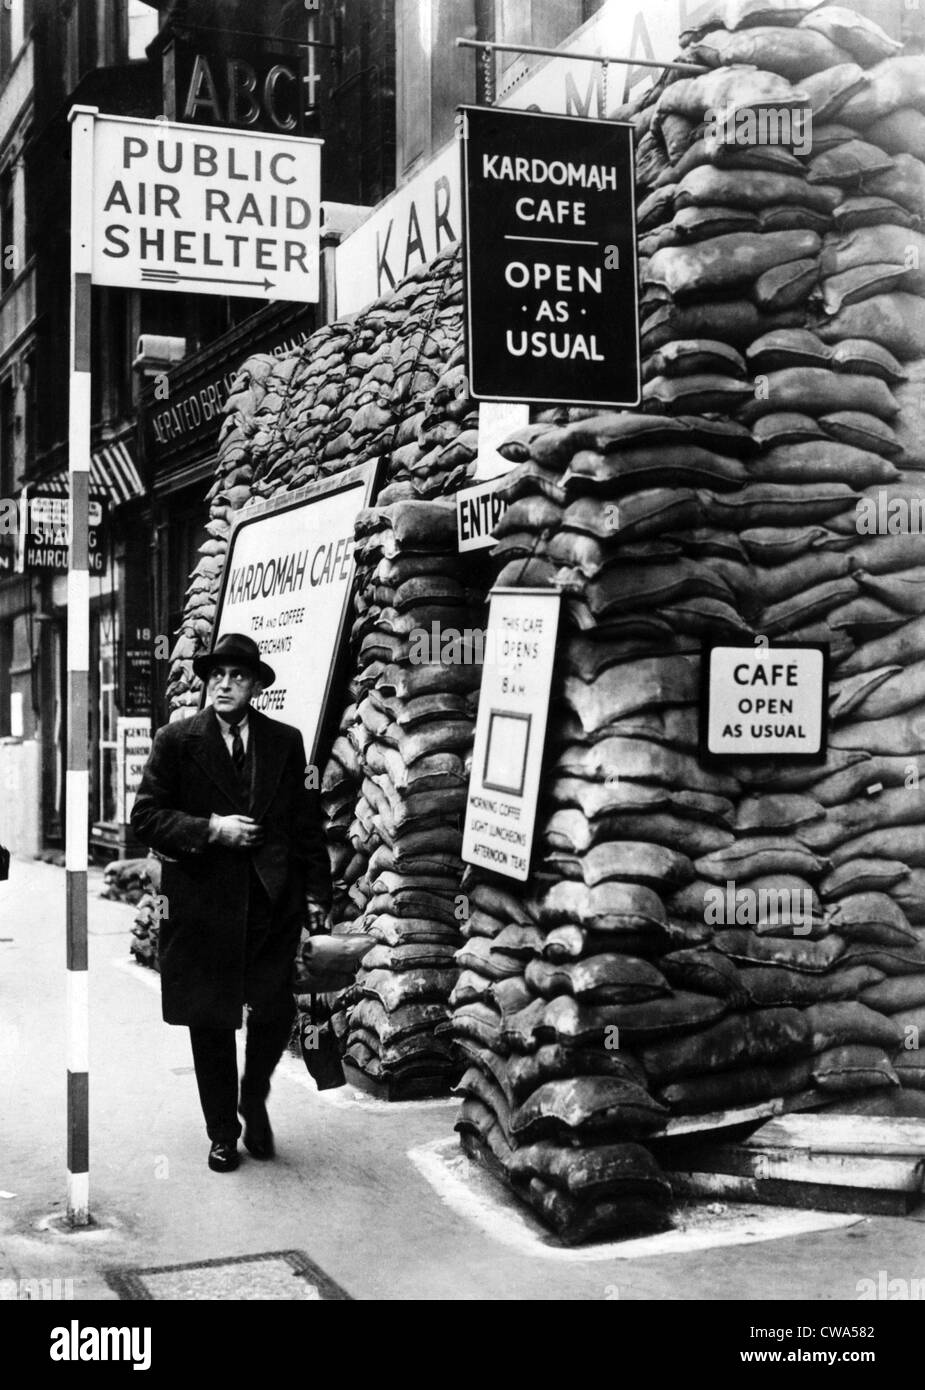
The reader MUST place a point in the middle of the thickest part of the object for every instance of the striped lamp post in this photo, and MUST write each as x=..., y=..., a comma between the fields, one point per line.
x=78, y=675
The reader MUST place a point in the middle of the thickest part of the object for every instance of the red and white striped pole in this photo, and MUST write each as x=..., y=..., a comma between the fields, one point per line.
x=77, y=784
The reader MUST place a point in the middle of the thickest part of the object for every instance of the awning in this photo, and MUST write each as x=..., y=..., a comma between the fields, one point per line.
x=113, y=475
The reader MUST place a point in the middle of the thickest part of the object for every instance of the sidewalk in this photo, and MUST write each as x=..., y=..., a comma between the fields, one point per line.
x=375, y=1195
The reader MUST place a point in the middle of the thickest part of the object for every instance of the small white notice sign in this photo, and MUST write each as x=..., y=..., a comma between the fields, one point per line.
x=478, y=511
x=133, y=750
x=510, y=731
x=766, y=701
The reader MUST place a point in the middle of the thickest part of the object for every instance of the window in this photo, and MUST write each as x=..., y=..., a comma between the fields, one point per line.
x=415, y=47
x=9, y=257
x=142, y=28
x=30, y=407
x=6, y=660
x=7, y=437
x=20, y=20
x=107, y=807
x=434, y=76
x=532, y=22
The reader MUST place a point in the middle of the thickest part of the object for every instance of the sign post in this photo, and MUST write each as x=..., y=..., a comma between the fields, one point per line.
x=193, y=210
x=77, y=778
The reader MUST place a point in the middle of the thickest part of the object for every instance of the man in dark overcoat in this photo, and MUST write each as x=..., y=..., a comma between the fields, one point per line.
x=226, y=799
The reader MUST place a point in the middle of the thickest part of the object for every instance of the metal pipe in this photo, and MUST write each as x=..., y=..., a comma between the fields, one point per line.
x=253, y=34
x=578, y=57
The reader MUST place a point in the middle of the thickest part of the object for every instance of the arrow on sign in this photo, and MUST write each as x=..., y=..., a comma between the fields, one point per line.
x=171, y=277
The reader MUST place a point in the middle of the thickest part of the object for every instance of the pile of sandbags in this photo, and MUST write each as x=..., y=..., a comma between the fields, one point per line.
x=727, y=509
x=834, y=405
x=398, y=769
x=145, y=931
x=558, y=1113
x=384, y=384
x=125, y=880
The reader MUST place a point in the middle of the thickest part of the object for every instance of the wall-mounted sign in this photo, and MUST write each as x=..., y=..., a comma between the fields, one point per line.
x=764, y=700
x=205, y=211
x=287, y=584
x=137, y=684
x=510, y=730
x=268, y=90
x=550, y=258
x=48, y=537
x=416, y=223
x=133, y=747
x=478, y=511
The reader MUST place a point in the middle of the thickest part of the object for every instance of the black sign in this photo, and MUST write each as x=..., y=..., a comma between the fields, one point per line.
x=47, y=541
x=270, y=89
x=137, y=685
x=550, y=257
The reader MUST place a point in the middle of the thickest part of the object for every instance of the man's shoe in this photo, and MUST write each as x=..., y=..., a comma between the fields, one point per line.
x=224, y=1156
x=258, y=1136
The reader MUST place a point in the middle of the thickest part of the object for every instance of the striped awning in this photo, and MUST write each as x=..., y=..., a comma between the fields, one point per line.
x=113, y=475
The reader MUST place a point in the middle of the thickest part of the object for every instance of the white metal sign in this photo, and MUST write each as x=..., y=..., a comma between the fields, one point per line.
x=133, y=747
x=510, y=731
x=287, y=584
x=408, y=230
x=765, y=701
x=478, y=511
x=205, y=211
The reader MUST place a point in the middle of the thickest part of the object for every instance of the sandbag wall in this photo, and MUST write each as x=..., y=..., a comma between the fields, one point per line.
x=782, y=337
x=401, y=759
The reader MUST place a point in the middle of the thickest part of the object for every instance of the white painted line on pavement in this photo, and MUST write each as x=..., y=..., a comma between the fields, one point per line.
x=144, y=973
x=474, y=1194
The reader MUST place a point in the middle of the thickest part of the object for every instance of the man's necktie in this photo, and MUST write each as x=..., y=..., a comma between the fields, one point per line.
x=237, y=753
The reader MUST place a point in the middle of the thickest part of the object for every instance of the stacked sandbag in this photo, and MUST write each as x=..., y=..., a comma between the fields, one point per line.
x=125, y=880
x=145, y=931
x=711, y=514
x=560, y=979
x=407, y=744
x=832, y=410
x=557, y=1114
x=386, y=384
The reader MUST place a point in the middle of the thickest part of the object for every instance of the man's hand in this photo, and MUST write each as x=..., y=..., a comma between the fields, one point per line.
x=236, y=832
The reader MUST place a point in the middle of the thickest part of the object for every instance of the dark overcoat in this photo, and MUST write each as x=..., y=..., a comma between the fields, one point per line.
x=205, y=974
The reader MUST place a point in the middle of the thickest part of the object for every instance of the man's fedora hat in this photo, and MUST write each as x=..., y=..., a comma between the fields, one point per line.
x=235, y=649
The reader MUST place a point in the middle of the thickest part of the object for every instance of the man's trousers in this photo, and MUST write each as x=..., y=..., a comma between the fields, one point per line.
x=269, y=1025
